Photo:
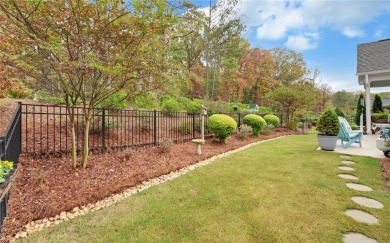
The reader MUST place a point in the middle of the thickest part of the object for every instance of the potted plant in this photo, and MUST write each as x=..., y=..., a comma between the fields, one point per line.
x=328, y=129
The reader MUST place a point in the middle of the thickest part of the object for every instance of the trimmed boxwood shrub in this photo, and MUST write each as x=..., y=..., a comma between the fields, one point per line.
x=256, y=122
x=272, y=119
x=328, y=124
x=222, y=126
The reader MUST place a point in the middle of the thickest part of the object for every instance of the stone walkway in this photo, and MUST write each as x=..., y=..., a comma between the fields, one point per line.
x=358, y=215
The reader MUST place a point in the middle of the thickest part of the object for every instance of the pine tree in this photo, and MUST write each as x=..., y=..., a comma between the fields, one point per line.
x=339, y=112
x=377, y=104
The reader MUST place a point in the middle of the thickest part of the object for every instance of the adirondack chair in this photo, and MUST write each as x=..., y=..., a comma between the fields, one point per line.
x=349, y=137
x=349, y=129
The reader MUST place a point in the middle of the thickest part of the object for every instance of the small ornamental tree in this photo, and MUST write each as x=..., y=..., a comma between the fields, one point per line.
x=272, y=119
x=87, y=50
x=377, y=104
x=339, y=112
x=256, y=122
x=222, y=126
x=328, y=124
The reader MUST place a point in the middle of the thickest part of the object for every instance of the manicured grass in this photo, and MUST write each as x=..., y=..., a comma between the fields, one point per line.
x=278, y=191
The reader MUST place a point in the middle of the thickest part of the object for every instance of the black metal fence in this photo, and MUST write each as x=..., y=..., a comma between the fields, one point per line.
x=10, y=149
x=46, y=129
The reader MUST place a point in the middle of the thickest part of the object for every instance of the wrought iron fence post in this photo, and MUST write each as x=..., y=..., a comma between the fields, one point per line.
x=155, y=127
x=19, y=129
x=103, y=130
x=2, y=148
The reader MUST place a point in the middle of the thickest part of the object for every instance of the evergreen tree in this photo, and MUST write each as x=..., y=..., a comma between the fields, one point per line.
x=339, y=112
x=377, y=104
x=359, y=110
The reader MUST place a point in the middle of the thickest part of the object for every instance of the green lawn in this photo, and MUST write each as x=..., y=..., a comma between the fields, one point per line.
x=278, y=191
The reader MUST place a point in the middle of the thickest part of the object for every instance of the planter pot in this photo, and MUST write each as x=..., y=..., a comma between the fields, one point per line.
x=380, y=144
x=327, y=143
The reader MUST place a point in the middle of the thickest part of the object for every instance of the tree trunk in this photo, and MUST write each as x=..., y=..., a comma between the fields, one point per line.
x=73, y=138
x=86, y=142
x=74, y=149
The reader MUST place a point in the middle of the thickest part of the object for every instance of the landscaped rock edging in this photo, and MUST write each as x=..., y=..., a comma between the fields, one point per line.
x=38, y=225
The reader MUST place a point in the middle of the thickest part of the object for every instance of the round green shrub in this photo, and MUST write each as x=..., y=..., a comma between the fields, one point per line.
x=145, y=100
x=194, y=106
x=272, y=119
x=222, y=126
x=169, y=106
x=328, y=124
x=115, y=101
x=256, y=122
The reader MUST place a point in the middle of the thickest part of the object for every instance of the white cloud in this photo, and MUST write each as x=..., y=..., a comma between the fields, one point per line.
x=278, y=20
x=345, y=82
x=301, y=42
x=352, y=32
x=276, y=26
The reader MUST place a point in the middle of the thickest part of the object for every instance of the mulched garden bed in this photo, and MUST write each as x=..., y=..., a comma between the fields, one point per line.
x=45, y=188
x=386, y=171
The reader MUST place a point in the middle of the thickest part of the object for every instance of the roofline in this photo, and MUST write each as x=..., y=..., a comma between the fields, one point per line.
x=374, y=72
x=388, y=39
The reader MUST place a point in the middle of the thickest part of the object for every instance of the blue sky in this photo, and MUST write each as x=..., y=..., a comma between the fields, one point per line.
x=326, y=32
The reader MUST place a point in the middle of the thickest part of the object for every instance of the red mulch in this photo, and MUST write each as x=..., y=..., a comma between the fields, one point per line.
x=45, y=188
x=386, y=171
x=8, y=109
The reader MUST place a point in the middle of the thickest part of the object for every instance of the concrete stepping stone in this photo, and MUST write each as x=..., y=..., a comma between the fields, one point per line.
x=357, y=238
x=345, y=157
x=346, y=168
x=348, y=162
x=359, y=187
x=367, y=202
x=361, y=216
x=348, y=177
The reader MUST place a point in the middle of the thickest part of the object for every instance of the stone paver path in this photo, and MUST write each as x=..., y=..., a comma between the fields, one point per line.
x=358, y=215
x=361, y=216
x=348, y=177
x=346, y=168
x=348, y=162
x=357, y=238
x=359, y=187
x=367, y=202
